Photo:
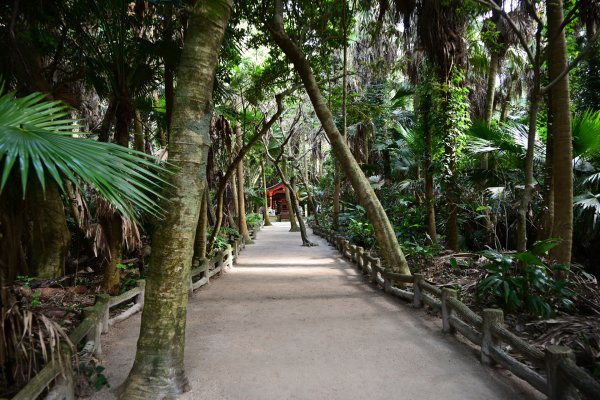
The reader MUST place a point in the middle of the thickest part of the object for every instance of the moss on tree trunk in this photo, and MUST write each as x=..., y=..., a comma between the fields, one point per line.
x=158, y=369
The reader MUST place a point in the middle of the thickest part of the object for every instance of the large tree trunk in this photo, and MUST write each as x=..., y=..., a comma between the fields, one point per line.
x=489, y=99
x=425, y=108
x=111, y=221
x=50, y=234
x=491, y=88
x=112, y=226
x=139, y=141
x=562, y=169
x=384, y=233
x=547, y=217
x=158, y=370
x=534, y=106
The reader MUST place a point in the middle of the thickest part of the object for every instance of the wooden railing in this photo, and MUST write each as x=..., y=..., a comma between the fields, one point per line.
x=552, y=371
x=58, y=376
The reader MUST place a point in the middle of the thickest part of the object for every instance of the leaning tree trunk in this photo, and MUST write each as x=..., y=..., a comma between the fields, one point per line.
x=293, y=206
x=158, y=369
x=384, y=233
x=562, y=169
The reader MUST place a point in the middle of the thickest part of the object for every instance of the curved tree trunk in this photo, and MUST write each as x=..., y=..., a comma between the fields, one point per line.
x=233, y=166
x=293, y=206
x=562, y=168
x=158, y=370
x=384, y=233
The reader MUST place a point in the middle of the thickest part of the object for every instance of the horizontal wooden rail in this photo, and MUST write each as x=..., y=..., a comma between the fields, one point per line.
x=520, y=369
x=562, y=376
x=580, y=378
x=96, y=321
x=532, y=354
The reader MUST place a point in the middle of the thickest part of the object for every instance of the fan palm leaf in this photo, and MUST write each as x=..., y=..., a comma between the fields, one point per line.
x=588, y=205
x=586, y=134
x=37, y=135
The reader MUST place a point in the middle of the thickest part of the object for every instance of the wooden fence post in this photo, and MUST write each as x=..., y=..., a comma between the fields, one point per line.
x=417, y=296
x=447, y=310
x=105, y=314
x=236, y=250
x=491, y=317
x=375, y=264
x=559, y=387
x=95, y=332
x=359, y=257
x=365, y=262
x=139, y=299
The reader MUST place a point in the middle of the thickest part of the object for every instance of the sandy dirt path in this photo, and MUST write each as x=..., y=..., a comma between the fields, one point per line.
x=291, y=322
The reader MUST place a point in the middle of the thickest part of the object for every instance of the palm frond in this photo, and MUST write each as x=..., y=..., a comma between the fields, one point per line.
x=586, y=134
x=587, y=206
x=37, y=135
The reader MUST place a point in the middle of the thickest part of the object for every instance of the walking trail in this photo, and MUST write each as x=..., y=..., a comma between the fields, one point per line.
x=293, y=322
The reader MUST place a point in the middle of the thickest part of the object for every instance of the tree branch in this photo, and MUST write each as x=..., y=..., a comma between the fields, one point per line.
x=573, y=63
x=516, y=30
x=242, y=152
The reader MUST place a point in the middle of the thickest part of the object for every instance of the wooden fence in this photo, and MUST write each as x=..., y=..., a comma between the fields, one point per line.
x=552, y=371
x=58, y=377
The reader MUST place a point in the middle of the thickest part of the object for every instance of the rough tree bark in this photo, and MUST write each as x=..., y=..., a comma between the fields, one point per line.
x=384, y=233
x=562, y=168
x=158, y=369
x=50, y=234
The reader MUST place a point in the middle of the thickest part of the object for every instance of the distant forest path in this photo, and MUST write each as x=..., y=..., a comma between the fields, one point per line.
x=293, y=322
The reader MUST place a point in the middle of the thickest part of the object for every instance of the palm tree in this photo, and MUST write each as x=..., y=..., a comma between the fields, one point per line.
x=36, y=142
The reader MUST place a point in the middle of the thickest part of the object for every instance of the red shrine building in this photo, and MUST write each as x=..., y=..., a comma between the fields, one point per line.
x=277, y=201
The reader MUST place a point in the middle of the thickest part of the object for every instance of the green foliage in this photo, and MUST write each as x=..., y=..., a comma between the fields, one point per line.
x=35, y=294
x=253, y=219
x=523, y=281
x=586, y=134
x=35, y=133
x=93, y=374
